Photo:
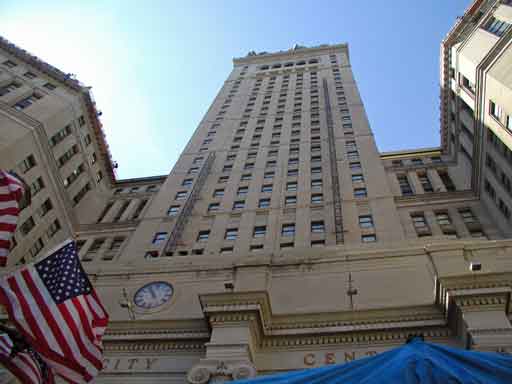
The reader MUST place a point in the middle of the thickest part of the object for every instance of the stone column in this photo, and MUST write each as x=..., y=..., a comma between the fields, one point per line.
x=235, y=331
x=415, y=182
x=436, y=181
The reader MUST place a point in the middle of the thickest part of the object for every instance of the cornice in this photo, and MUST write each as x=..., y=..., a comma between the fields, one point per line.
x=102, y=227
x=153, y=347
x=407, y=153
x=284, y=55
x=70, y=82
x=255, y=306
x=157, y=330
x=384, y=337
x=473, y=281
x=435, y=197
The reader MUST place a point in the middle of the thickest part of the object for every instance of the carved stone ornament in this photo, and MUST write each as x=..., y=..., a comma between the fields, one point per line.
x=199, y=375
x=218, y=372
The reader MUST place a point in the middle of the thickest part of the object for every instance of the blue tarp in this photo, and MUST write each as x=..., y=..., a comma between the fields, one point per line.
x=414, y=363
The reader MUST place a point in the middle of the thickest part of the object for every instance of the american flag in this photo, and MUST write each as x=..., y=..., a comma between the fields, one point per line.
x=11, y=191
x=53, y=304
x=26, y=365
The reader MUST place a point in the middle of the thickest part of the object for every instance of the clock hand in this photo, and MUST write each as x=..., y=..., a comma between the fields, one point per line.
x=153, y=293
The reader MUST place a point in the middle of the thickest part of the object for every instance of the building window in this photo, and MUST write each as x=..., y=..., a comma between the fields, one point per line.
x=223, y=179
x=267, y=188
x=139, y=209
x=292, y=172
x=193, y=170
x=81, y=193
x=203, y=235
x=231, y=234
x=240, y=204
x=360, y=193
x=27, y=102
x=226, y=250
x=291, y=186
x=256, y=247
x=416, y=161
x=405, y=187
x=248, y=166
x=49, y=86
x=290, y=200
x=443, y=218
x=36, y=248
x=358, y=178
x=467, y=215
x=495, y=110
x=317, y=198
x=316, y=170
x=173, y=210
x=246, y=177
x=159, y=237
x=29, y=75
x=420, y=224
x=36, y=186
x=218, y=192
x=182, y=195
x=242, y=191
x=213, y=207
x=46, y=207
x=355, y=166
x=27, y=164
x=187, y=182
x=62, y=160
x=227, y=168
x=317, y=226
x=352, y=155
x=9, y=88
x=366, y=221
x=9, y=64
x=121, y=211
x=268, y=175
x=425, y=182
x=372, y=238
x=447, y=181
x=316, y=184
x=27, y=226
x=264, y=203
x=94, y=248
x=494, y=26
x=260, y=231
x=288, y=230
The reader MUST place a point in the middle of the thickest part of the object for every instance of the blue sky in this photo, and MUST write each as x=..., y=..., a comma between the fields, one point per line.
x=155, y=66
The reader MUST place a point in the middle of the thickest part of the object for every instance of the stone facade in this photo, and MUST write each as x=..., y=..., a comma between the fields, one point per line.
x=282, y=238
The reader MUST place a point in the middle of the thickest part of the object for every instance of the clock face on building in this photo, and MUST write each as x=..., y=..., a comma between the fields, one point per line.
x=153, y=295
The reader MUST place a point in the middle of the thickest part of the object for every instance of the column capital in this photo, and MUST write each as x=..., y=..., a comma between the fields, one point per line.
x=219, y=371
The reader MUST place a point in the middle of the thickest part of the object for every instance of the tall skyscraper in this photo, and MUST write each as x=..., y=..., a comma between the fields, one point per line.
x=282, y=239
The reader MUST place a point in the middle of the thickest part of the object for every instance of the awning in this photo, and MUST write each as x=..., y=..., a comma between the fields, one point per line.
x=413, y=363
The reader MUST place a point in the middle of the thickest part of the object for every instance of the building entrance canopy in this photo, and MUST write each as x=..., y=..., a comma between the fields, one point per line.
x=416, y=362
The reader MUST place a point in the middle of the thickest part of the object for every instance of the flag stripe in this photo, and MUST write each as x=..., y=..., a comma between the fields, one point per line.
x=11, y=191
x=23, y=366
x=90, y=351
x=58, y=327
x=53, y=304
x=13, y=306
x=36, y=305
